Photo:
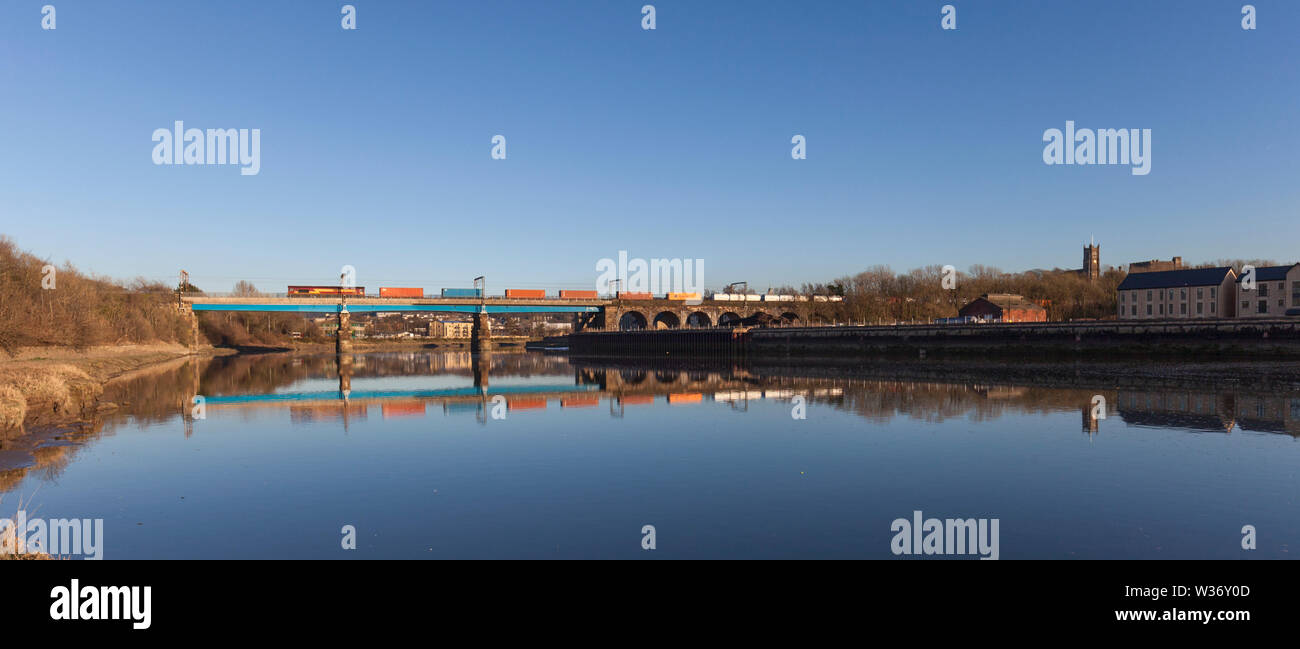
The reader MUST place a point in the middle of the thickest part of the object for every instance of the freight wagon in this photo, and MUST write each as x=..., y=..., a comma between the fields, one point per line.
x=400, y=291
x=325, y=291
x=531, y=293
x=625, y=295
x=683, y=296
x=578, y=295
x=462, y=292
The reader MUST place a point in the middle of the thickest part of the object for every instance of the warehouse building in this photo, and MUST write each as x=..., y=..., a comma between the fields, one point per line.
x=1190, y=293
x=1277, y=289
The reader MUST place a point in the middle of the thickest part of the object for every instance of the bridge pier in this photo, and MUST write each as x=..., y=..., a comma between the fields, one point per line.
x=345, y=376
x=187, y=311
x=343, y=339
x=481, y=366
x=480, y=334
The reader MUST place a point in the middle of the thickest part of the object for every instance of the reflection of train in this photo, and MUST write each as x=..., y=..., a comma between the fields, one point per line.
x=326, y=291
x=540, y=294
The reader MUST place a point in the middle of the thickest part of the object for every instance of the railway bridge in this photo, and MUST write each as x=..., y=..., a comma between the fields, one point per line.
x=603, y=314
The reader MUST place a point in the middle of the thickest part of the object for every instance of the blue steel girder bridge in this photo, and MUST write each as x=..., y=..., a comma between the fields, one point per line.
x=597, y=313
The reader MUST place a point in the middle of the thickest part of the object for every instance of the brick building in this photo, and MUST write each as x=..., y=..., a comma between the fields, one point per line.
x=1155, y=265
x=1004, y=307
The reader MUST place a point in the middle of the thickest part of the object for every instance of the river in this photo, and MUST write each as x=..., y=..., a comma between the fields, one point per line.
x=433, y=454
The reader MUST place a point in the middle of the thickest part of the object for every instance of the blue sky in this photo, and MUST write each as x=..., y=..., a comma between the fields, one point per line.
x=924, y=146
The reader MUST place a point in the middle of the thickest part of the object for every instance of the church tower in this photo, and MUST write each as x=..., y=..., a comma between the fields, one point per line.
x=1091, y=261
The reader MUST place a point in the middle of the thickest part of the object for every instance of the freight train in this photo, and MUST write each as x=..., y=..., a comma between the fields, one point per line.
x=540, y=294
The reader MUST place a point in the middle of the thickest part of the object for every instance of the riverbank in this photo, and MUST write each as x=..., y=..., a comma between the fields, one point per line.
x=49, y=386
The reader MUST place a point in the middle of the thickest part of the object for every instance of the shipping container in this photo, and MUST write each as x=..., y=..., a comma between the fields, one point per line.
x=526, y=403
x=530, y=293
x=683, y=296
x=462, y=292
x=579, y=402
x=400, y=291
x=578, y=295
x=624, y=295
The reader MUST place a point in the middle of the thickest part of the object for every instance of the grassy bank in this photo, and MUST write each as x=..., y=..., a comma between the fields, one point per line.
x=50, y=385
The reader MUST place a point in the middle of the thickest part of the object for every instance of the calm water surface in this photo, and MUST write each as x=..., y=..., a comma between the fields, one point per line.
x=443, y=454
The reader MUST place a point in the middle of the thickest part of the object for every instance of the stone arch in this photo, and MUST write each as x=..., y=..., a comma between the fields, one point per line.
x=632, y=321
x=699, y=320
x=790, y=319
x=667, y=320
x=729, y=319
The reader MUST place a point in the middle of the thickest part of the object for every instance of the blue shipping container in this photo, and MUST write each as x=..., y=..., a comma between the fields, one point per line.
x=462, y=292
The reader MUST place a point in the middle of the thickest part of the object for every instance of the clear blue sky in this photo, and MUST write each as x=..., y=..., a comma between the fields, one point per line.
x=924, y=146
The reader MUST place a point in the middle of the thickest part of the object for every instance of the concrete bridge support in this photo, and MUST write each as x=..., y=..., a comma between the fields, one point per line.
x=345, y=376
x=192, y=319
x=343, y=339
x=480, y=334
x=481, y=367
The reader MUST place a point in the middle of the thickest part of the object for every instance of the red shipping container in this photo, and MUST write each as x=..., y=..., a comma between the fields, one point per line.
x=532, y=293
x=396, y=291
x=623, y=295
x=526, y=404
x=578, y=295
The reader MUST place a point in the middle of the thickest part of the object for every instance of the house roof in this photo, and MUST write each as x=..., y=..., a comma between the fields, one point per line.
x=1270, y=273
x=1176, y=278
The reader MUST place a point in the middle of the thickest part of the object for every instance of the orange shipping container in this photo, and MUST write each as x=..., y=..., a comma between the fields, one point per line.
x=578, y=295
x=683, y=296
x=396, y=291
x=685, y=397
x=526, y=404
x=526, y=292
x=622, y=295
x=403, y=409
x=579, y=402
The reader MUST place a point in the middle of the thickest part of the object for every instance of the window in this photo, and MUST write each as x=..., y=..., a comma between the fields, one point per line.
x=1135, y=309
x=1263, y=306
x=1121, y=297
x=1200, y=294
x=1182, y=308
x=1148, y=309
x=1281, y=303
x=1295, y=293
x=1214, y=292
x=1182, y=295
x=1244, y=306
x=1200, y=308
x=1148, y=296
x=1171, y=295
x=1263, y=290
x=1214, y=307
x=1162, y=309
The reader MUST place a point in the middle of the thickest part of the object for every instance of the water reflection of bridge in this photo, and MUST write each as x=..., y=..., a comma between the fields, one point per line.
x=556, y=381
